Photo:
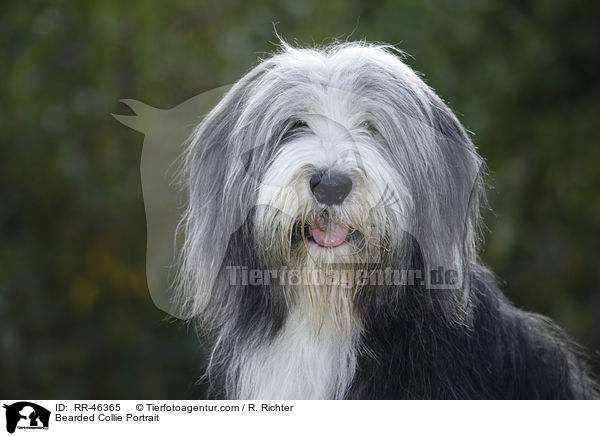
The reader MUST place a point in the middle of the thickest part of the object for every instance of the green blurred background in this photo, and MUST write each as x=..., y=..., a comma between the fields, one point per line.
x=76, y=319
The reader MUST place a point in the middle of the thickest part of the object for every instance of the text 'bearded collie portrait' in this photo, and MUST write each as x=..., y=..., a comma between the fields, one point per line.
x=330, y=244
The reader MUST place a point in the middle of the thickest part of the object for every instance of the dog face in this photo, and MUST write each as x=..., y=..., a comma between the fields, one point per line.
x=340, y=155
x=327, y=190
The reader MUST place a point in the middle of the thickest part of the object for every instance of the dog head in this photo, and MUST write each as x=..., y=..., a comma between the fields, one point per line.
x=333, y=155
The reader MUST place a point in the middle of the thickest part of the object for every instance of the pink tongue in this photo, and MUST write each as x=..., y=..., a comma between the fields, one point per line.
x=327, y=233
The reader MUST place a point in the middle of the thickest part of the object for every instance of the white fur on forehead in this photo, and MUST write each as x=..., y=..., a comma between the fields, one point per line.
x=330, y=82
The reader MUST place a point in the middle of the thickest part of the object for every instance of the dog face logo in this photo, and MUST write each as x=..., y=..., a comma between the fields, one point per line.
x=26, y=415
x=166, y=132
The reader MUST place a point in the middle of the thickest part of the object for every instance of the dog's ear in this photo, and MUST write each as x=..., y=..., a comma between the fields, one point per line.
x=446, y=212
x=461, y=172
x=464, y=168
x=218, y=202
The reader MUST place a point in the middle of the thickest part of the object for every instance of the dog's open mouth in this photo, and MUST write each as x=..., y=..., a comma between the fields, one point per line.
x=326, y=232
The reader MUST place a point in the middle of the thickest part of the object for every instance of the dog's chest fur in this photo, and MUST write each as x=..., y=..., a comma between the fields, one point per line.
x=306, y=360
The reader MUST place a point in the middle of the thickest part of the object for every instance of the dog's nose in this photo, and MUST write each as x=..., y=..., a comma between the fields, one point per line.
x=330, y=188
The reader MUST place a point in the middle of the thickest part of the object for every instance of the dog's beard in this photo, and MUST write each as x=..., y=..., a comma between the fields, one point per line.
x=328, y=248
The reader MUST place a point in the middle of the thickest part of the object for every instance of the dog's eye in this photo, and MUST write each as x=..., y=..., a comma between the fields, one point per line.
x=368, y=125
x=293, y=128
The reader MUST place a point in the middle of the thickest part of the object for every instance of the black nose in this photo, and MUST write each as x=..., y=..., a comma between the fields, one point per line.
x=330, y=188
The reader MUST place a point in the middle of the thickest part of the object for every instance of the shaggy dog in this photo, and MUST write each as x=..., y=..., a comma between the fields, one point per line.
x=330, y=244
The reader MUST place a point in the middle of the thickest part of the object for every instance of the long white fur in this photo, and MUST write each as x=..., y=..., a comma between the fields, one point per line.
x=305, y=361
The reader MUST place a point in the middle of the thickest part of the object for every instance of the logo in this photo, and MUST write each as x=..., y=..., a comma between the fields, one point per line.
x=26, y=415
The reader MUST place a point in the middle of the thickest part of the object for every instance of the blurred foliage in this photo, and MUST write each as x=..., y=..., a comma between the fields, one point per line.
x=76, y=319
